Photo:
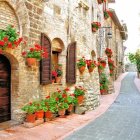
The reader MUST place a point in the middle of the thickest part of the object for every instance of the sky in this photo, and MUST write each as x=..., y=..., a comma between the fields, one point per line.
x=129, y=12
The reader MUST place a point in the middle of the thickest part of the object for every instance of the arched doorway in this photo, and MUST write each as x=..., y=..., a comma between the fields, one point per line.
x=5, y=82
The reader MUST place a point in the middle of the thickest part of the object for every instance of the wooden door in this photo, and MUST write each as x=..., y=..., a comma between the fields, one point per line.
x=5, y=73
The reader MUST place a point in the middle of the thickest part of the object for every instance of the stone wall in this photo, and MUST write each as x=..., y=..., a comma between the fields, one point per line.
x=61, y=20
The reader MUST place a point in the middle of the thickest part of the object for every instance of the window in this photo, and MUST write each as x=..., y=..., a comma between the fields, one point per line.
x=57, y=67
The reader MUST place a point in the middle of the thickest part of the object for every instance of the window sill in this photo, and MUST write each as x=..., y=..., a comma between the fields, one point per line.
x=56, y=83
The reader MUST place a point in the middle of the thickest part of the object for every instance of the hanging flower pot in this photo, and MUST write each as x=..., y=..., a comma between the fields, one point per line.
x=39, y=114
x=90, y=69
x=81, y=64
x=82, y=69
x=94, y=29
x=80, y=99
x=31, y=61
x=100, y=1
x=30, y=118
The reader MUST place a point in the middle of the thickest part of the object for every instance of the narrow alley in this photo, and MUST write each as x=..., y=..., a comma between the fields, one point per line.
x=120, y=122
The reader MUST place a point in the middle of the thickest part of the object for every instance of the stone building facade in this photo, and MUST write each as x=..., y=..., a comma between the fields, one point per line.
x=61, y=24
x=119, y=35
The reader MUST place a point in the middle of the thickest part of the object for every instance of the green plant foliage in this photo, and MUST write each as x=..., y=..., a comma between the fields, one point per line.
x=81, y=62
x=135, y=59
x=132, y=58
x=29, y=108
x=103, y=81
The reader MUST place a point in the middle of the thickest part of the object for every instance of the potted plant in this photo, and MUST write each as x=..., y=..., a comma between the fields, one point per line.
x=54, y=75
x=71, y=101
x=9, y=38
x=62, y=106
x=61, y=100
x=103, y=84
x=35, y=53
x=111, y=66
x=101, y=1
x=79, y=93
x=81, y=64
x=101, y=65
x=40, y=109
x=95, y=26
x=59, y=75
x=108, y=52
x=91, y=65
x=107, y=14
x=52, y=107
x=30, y=110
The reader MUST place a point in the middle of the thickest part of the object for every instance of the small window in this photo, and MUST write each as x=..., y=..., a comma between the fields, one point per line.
x=92, y=14
x=55, y=58
x=57, y=10
x=57, y=67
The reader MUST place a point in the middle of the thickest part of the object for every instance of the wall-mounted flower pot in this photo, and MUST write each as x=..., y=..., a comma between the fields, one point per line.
x=90, y=69
x=80, y=99
x=94, y=29
x=82, y=69
x=31, y=61
x=100, y=1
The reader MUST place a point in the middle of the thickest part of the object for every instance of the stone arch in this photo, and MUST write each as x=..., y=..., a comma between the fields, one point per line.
x=57, y=44
x=21, y=17
x=14, y=79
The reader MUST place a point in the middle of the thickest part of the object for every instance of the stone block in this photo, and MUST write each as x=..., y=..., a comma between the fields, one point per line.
x=30, y=125
x=80, y=110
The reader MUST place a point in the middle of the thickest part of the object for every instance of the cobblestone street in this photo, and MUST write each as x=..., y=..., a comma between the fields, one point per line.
x=120, y=122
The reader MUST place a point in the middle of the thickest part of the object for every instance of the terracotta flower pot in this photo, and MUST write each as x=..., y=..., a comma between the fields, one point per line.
x=58, y=79
x=70, y=108
x=31, y=61
x=80, y=99
x=30, y=118
x=61, y=112
x=39, y=114
x=103, y=64
x=90, y=69
x=82, y=69
x=103, y=92
x=94, y=29
x=49, y=115
x=100, y=1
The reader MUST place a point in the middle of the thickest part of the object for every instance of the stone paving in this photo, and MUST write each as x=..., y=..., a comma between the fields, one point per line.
x=120, y=122
x=59, y=128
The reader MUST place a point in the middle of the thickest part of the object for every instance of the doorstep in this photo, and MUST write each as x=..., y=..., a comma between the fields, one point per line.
x=8, y=124
x=60, y=128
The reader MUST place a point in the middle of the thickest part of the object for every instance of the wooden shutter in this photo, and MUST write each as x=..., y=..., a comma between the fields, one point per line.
x=71, y=63
x=45, y=63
